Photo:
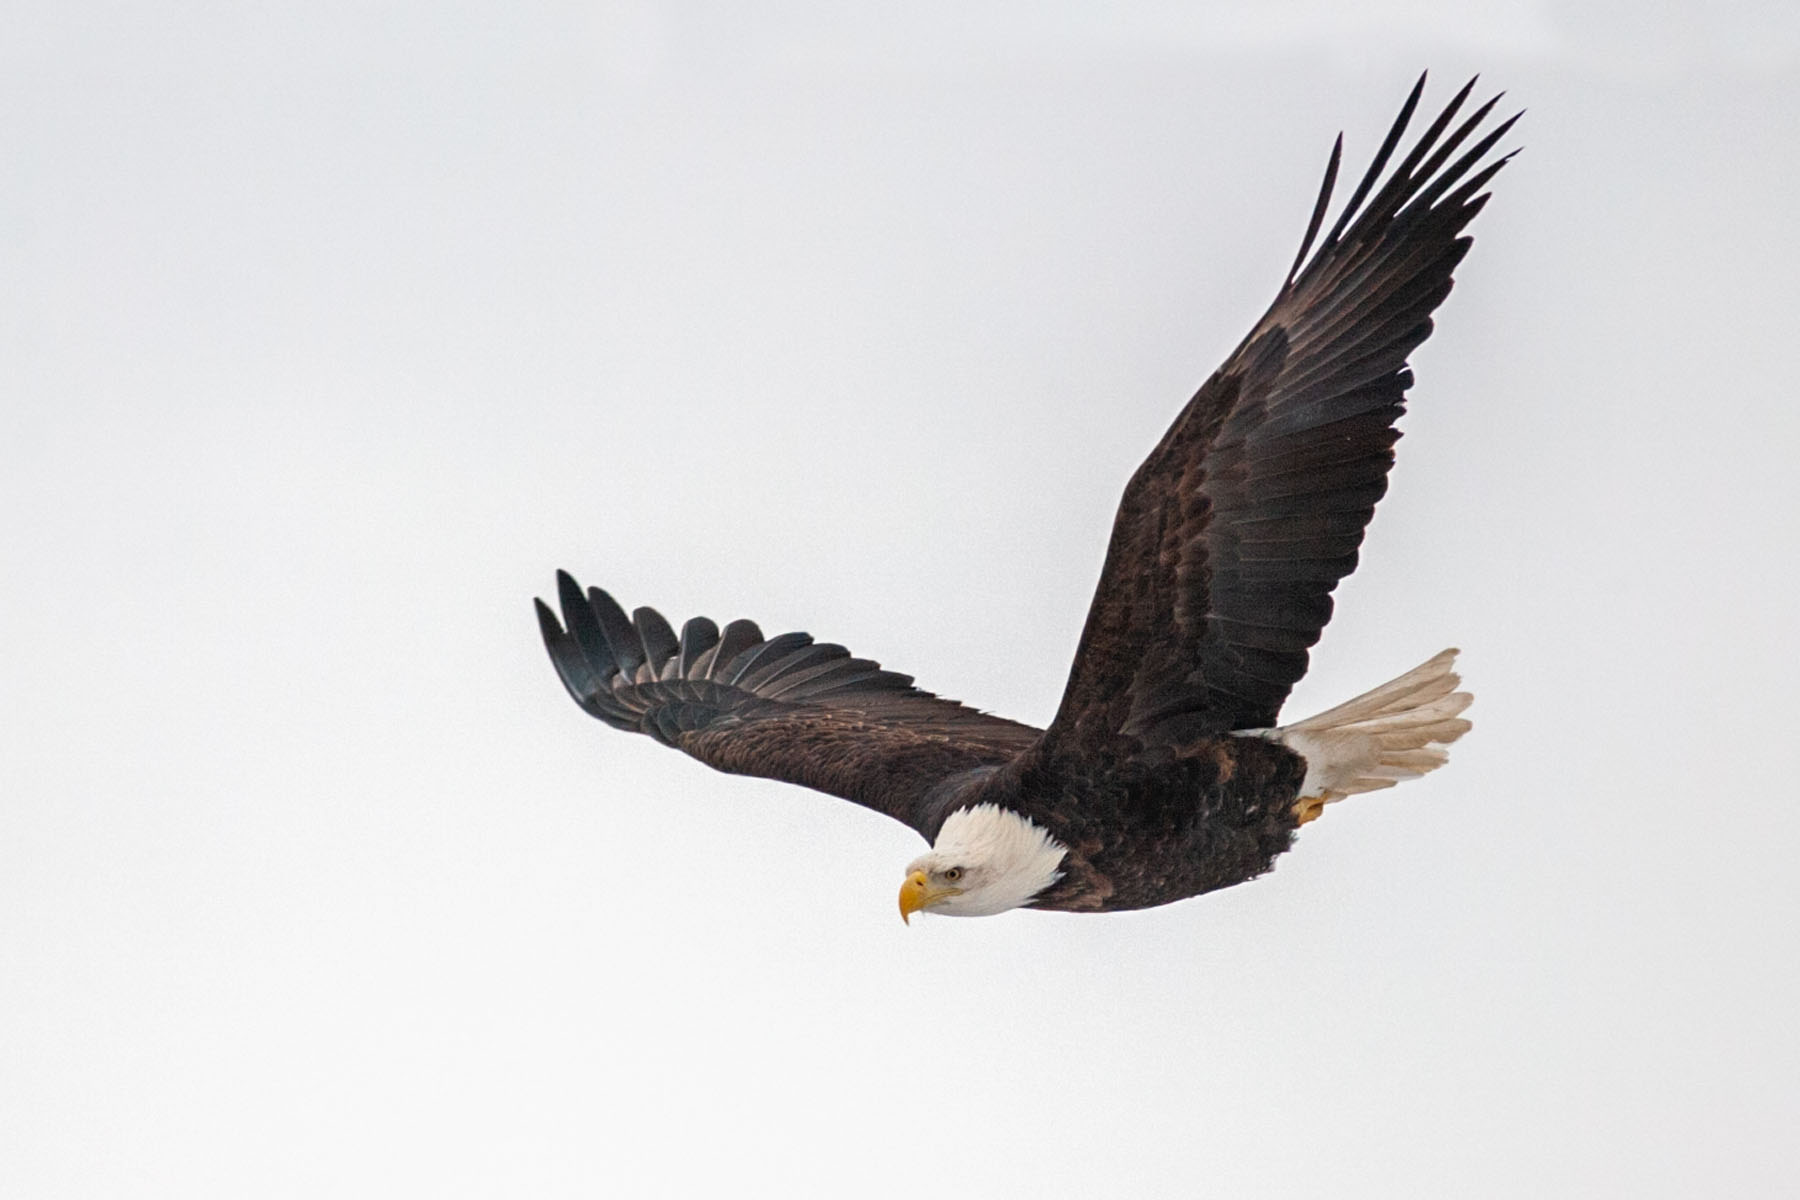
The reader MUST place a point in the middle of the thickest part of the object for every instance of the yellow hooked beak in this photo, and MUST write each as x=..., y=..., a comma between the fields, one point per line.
x=917, y=893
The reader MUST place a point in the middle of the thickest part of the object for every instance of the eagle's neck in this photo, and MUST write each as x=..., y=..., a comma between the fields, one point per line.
x=1020, y=859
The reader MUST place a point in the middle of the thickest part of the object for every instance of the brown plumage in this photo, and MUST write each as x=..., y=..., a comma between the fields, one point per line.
x=1156, y=776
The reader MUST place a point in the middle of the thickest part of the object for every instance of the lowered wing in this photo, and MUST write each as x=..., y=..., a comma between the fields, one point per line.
x=786, y=707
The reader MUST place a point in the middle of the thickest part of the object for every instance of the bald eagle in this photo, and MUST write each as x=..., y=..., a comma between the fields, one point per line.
x=1164, y=773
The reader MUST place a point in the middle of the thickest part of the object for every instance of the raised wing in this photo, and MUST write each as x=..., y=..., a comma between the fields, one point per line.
x=1233, y=533
x=786, y=707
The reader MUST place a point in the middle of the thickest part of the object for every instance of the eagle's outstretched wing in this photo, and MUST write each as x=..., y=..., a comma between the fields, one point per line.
x=786, y=707
x=1233, y=533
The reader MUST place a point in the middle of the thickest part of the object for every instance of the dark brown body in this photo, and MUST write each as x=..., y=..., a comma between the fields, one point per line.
x=1144, y=833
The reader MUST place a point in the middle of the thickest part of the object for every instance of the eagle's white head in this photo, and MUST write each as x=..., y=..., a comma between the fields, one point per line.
x=986, y=860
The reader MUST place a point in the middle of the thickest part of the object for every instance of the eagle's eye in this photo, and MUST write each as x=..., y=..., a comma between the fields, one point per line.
x=952, y=874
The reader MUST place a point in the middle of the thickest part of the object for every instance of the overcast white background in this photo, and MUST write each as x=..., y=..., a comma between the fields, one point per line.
x=329, y=331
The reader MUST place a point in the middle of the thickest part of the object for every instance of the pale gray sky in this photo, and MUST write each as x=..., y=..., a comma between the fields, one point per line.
x=331, y=331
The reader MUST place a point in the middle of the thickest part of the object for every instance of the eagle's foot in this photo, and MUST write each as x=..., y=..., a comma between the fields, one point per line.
x=1309, y=808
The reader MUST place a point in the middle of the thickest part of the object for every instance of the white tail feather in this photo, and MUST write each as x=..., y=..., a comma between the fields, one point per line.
x=1397, y=731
